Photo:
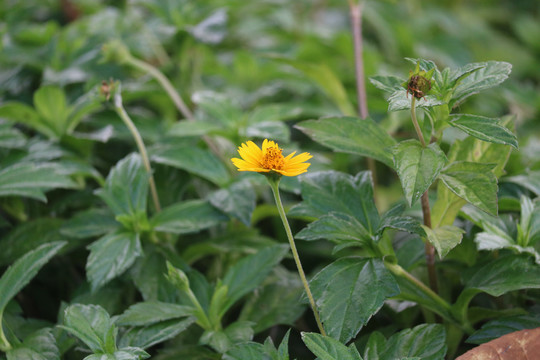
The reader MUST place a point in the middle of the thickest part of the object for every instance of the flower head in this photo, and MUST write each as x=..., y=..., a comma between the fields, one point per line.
x=269, y=159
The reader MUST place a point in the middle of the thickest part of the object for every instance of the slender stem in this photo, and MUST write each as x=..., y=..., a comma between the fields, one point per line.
x=399, y=271
x=426, y=211
x=428, y=247
x=415, y=122
x=356, y=24
x=140, y=144
x=175, y=97
x=203, y=319
x=274, y=184
x=162, y=79
x=356, y=20
x=4, y=343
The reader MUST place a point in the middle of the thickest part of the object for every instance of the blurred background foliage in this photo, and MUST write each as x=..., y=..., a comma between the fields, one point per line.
x=251, y=69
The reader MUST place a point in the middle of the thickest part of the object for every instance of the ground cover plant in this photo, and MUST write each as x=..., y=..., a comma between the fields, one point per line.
x=268, y=179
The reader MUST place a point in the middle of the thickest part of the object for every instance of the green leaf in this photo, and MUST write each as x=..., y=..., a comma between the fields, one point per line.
x=18, y=275
x=150, y=312
x=340, y=228
x=89, y=223
x=187, y=217
x=530, y=181
x=394, y=220
x=426, y=342
x=110, y=256
x=276, y=303
x=400, y=100
x=26, y=237
x=130, y=353
x=236, y=200
x=50, y=103
x=351, y=135
x=505, y=325
x=190, y=128
x=444, y=238
x=277, y=131
x=474, y=182
x=484, y=128
x=388, y=84
x=417, y=167
x=492, y=74
x=24, y=114
x=327, y=80
x=248, y=273
x=40, y=345
x=327, y=348
x=10, y=137
x=126, y=188
x=326, y=192
x=92, y=325
x=32, y=180
x=349, y=292
x=250, y=350
x=194, y=160
x=146, y=336
x=504, y=274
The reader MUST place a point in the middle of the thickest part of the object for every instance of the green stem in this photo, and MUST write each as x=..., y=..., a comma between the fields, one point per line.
x=162, y=79
x=426, y=211
x=415, y=122
x=399, y=271
x=274, y=184
x=4, y=343
x=202, y=318
x=140, y=145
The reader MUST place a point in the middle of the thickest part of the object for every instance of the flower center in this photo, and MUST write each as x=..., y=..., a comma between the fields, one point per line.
x=272, y=159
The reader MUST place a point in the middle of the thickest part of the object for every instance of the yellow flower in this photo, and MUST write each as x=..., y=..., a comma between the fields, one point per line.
x=270, y=159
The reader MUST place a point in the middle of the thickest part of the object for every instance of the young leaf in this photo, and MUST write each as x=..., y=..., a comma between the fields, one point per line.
x=150, y=312
x=417, y=167
x=50, y=103
x=193, y=160
x=126, y=188
x=187, y=217
x=110, y=256
x=388, y=84
x=351, y=135
x=484, y=128
x=24, y=269
x=349, y=292
x=250, y=350
x=444, y=238
x=400, y=100
x=248, y=273
x=426, y=342
x=474, y=182
x=492, y=74
x=92, y=325
x=327, y=348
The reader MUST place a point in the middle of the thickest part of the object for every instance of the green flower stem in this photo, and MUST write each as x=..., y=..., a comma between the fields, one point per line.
x=415, y=122
x=164, y=82
x=429, y=249
x=175, y=97
x=274, y=184
x=140, y=144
